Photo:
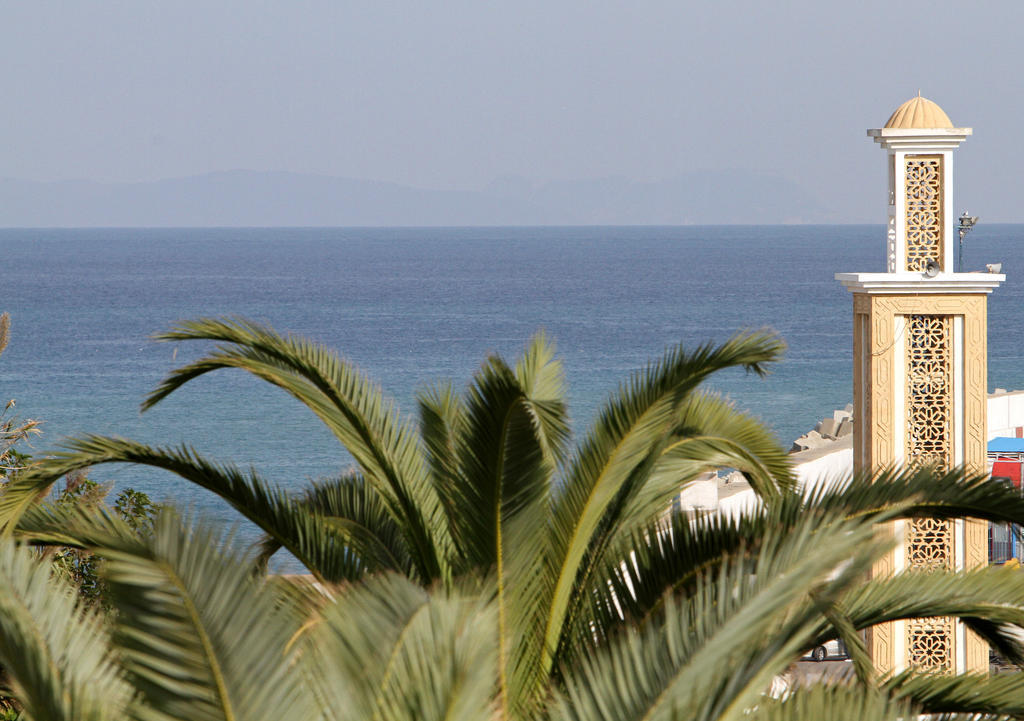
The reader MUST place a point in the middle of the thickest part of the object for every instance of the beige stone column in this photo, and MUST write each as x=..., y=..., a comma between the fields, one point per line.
x=919, y=396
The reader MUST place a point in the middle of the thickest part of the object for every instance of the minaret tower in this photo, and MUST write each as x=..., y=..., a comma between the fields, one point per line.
x=920, y=374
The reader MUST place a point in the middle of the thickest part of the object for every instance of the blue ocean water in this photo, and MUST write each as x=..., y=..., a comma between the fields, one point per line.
x=412, y=306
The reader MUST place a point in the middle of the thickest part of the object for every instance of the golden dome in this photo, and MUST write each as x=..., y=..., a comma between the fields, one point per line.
x=919, y=113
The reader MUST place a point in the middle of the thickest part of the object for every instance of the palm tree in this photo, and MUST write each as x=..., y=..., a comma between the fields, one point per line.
x=196, y=635
x=490, y=488
x=587, y=561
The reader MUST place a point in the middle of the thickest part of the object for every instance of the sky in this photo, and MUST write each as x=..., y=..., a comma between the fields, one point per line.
x=456, y=94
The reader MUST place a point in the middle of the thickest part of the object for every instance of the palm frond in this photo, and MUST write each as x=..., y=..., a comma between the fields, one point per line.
x=50, y=524
x=894, y=493
x=712, y=434
x=542, y=379
x=201, y=637
x=630, y=435
x=349, y=404
x=329, y=549
x=987, y=599
x=845, y=630
x=504, y=467
x=358, y=520
x=58, y=657
x=713, y=655
x=676, y=547
x=833, y=702
x=673, y=552
x=668, y=557
x=394, y=651
x=507, y=448
x=1000, y=696
x=442, y=417
x=627, y=440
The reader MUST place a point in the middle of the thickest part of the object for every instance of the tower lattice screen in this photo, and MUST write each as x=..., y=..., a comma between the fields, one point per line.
x=929, y=441
x=924, y=210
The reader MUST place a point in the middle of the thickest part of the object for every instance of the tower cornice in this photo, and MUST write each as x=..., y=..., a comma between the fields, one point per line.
x=918, y=284
x=920, y=138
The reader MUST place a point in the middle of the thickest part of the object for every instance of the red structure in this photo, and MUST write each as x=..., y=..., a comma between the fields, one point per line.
x=1008, y=467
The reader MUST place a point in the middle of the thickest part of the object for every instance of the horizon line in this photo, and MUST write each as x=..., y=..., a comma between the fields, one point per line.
x=457, y=226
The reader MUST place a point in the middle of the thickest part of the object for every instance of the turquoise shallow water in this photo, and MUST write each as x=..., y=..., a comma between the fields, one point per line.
x=414, y=306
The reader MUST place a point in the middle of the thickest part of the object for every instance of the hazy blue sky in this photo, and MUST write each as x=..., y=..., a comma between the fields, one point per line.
x=456, y=93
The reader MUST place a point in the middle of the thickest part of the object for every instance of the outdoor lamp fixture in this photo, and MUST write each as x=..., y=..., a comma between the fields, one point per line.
x=966, y=223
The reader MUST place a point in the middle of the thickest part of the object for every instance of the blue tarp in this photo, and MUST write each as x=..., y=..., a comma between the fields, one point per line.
x=1006, y=445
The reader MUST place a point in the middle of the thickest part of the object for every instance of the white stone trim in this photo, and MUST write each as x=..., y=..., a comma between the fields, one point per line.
x=913, y=140
x=919, y=133
x=958, y=391
x=899, y=390
x=900, y=209
x=899, y=452
x=959, y=450
x=917, y=283
x=949, y=250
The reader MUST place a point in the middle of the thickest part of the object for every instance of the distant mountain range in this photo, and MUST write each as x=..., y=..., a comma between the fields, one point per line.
x=257, y=198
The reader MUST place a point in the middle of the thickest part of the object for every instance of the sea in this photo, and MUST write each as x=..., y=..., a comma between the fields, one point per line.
x=412, y=307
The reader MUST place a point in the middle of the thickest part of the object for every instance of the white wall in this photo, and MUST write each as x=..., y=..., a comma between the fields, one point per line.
x=826, y=467
x=738, y=502
x=830, y=463
x=834, y=462
x=1005, y=414
x=701, y=493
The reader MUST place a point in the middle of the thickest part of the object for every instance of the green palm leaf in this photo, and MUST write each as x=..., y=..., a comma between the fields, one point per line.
x=57, y=656
x=833, y=702
x=503, y=463
x=352, y=407
x=542, y=379
x=713, y=655
x=442, y=416
x=358, y=521
x=323, y=545
x=202, y=639
x=987, y=599
x=50, y=524
x=902, y=493
x=673, y=549
x=627, y=441
x=711, y=434
x=507, y=446
x=1002, y=695
x=392, y=651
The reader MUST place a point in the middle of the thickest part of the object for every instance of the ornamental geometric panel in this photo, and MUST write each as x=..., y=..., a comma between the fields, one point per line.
x=924, y=210
x=929, y=390
x=930, y=644
x=930, y=544
x=929, y=441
